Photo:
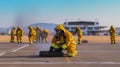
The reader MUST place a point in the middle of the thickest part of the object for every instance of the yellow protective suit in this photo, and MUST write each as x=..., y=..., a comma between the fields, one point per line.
x=66, y=41
x=45, y=35
x=19, y=34
x=112, y=32
x=31, y=35
x=12, y=34
x=79, y=34
x=34, y=38
x=38, y=34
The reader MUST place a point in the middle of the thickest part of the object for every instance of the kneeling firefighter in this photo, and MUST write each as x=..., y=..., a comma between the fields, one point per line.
x=63, y=39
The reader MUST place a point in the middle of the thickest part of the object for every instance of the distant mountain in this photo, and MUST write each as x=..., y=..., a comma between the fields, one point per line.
x=48, y=26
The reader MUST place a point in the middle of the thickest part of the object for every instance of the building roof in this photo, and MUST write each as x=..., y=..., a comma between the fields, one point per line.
x=102, y=26
x=80, y=23
x=97, y=31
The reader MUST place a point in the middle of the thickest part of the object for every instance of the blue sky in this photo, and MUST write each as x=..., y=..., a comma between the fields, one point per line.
x=26, y=12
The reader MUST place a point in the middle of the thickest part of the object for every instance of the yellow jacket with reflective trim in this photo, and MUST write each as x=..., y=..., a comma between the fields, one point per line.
x=13, y=32
x=78, y=31
x=66, y=39
x=46, y=31
x=19, y=32
x=112, y=31
x=32, y=31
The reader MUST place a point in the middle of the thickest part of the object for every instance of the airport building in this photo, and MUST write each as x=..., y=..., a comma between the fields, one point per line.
x=88, y=27
x=107, y=33
x=117, y=30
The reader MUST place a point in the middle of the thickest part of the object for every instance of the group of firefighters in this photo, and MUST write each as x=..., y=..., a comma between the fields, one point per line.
x=62, y=40
x=18, y=33
x=35, y=34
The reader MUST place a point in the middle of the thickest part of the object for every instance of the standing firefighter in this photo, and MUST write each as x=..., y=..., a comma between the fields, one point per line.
x=38, y=34
x=112, y=32
x=79, y=34
x=45, y=35
x=34, y=38
x=19, y=34
x=32, y=34
x=12, y=34
x=63, y=39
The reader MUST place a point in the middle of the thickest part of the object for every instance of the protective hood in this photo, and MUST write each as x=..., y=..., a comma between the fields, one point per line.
x=19, y=27
x=37, y=27
x=30, y=27
x=112, y=27
x=60, y=27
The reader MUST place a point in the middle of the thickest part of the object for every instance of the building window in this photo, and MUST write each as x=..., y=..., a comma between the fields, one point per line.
x=119, y=33
x=72, y=28
x=81, y=23
x=90, y=28
x=97, y=23
x=96, y=28
x=65, y=23
x=67, y=28
x=83, y=28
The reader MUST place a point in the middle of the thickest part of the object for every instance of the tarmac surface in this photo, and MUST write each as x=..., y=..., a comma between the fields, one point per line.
x=100, y=54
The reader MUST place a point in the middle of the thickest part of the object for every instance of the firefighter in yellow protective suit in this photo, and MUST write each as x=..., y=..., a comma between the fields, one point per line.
x=31, y=34
x=45, y=35
x=19, y=34
x=34, y=38
x=63, y=39
x=112, y=32
x=12, y=34
x=79, y=34
x=38, y=34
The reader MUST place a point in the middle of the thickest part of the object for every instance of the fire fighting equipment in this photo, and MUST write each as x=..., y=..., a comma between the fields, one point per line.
x=58, y=33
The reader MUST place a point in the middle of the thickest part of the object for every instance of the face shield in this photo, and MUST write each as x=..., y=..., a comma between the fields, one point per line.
x=58, y=33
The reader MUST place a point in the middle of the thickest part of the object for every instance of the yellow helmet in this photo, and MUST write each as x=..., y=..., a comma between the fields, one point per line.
x=59, y=27
x=19, y=27
x=30, y=27
x=77, y=27
x=13, y=28
x=112, y=26
x=37, y=27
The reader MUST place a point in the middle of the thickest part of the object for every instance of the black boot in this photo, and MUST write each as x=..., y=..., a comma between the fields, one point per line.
x=51, y=49
x=58, y=50
x=114, y=42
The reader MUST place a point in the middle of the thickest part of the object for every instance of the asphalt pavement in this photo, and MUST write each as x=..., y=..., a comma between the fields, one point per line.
x=89, y=55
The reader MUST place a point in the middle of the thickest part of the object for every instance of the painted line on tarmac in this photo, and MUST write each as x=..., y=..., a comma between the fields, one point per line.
x=20, y=48
x=59, y=62
x=2, y=53
x=68, y=59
